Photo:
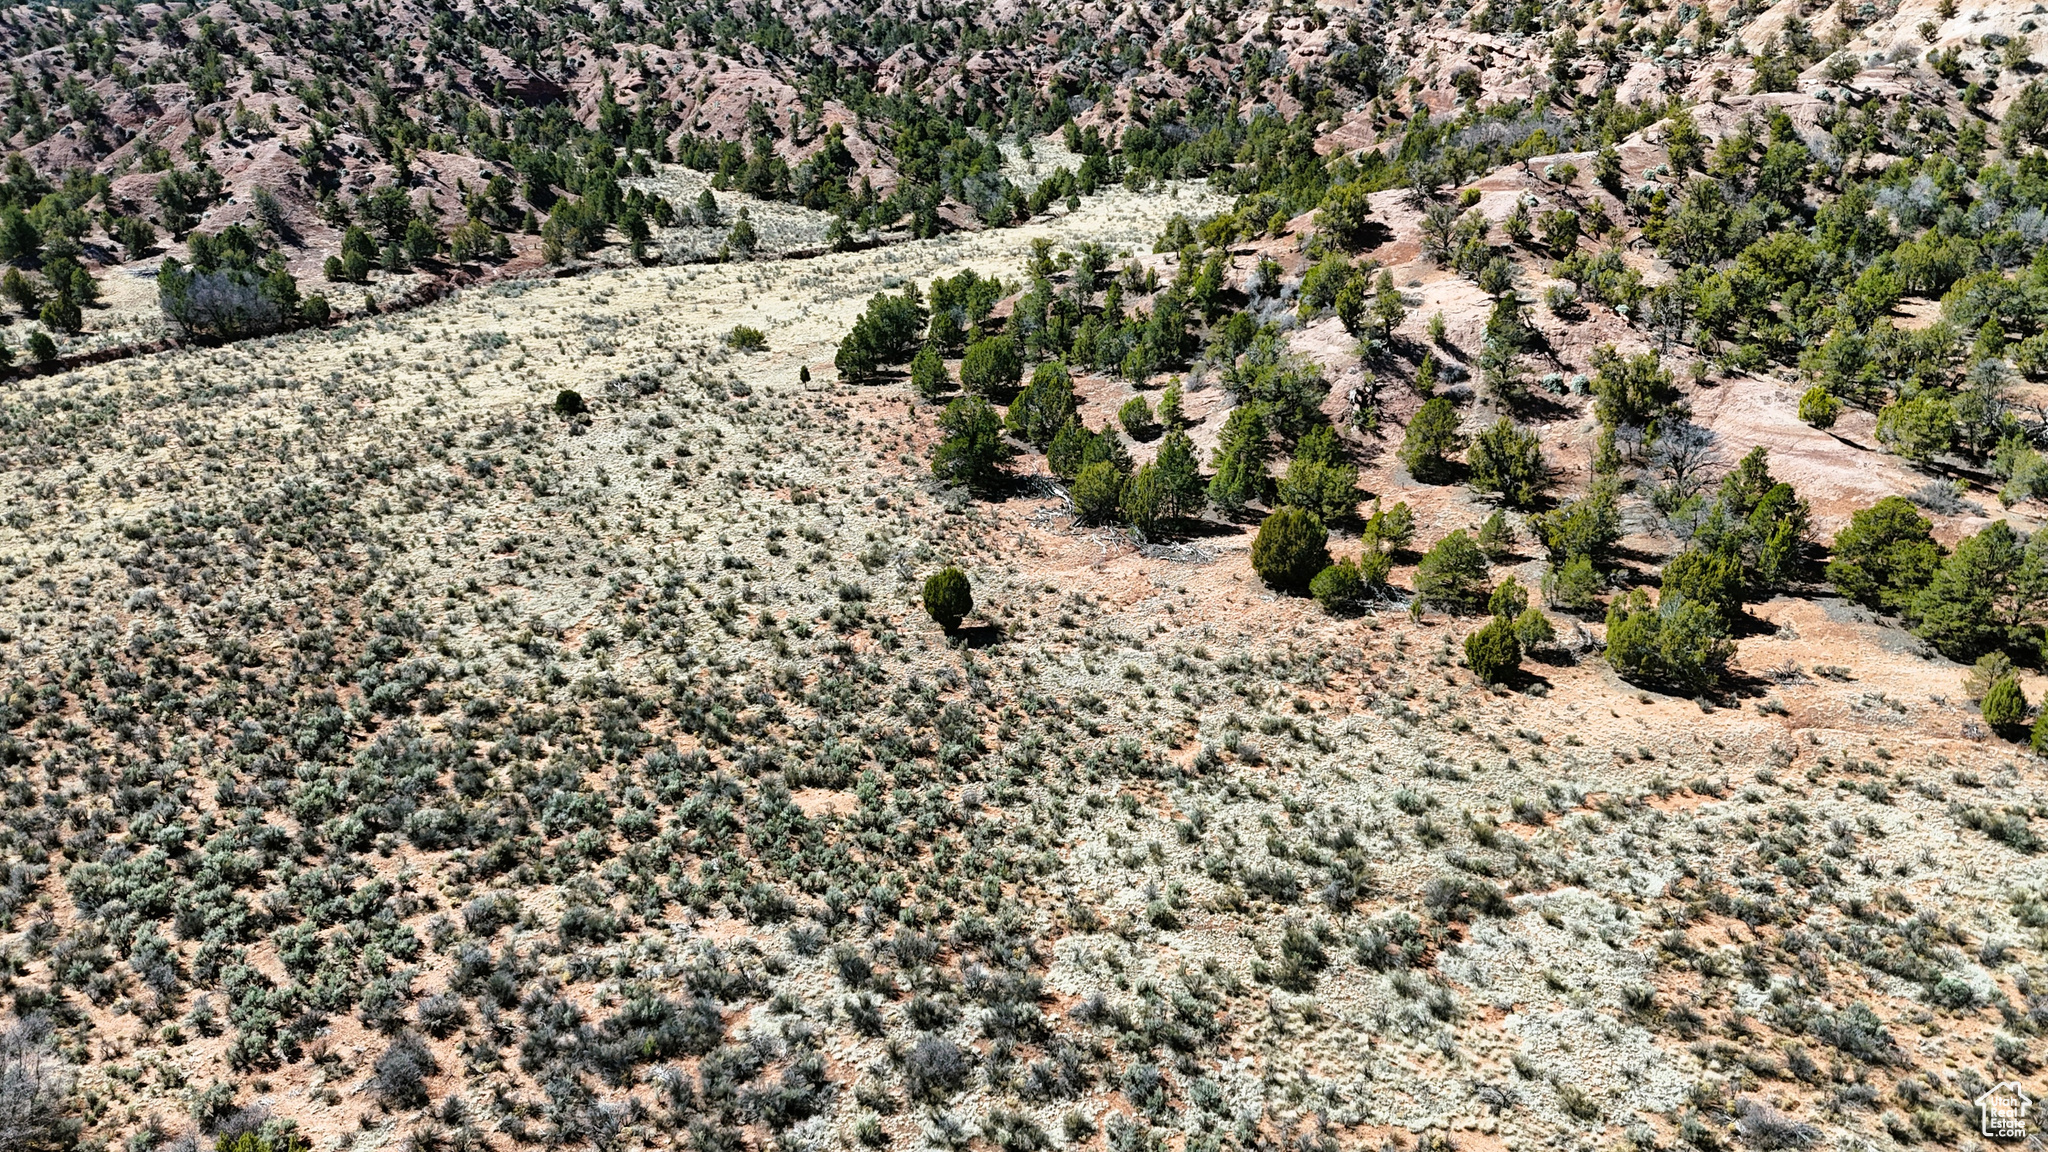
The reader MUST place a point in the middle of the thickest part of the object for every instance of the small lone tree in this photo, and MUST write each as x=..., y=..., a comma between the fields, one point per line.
x=1676, y=642
x=928, y=374
x=948, y=597
x=991, y=367
x=1509, y=460
x=1291, y=548
x=2005, y=706
x=1431, y=438
x=1493, y=651
x=1819, y=407
x=1452, y=576
x=1098, y=493
x=569, y=402
x=973, y=446
x=1339, y=588
x=1496, y=538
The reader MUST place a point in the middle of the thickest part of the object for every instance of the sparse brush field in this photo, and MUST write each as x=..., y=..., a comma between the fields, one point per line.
x=396, y=760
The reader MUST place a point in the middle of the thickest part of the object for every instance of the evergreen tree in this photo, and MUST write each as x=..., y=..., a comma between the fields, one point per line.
x=1508, y=460
x=1044, y=406
x=1240, y=461
x=991, y=367
x=928, y=376
x=1493, y=652
x=1452, y=576
x=1098, y=493
x=1180, y=476
x=1431, y=438
x=1990, y=594
x=1319, y=479
x=1676, y=643
x=948, y=597
x=1885, y=556
x=1063, y=456
x=972, y=448
x=1291, y=548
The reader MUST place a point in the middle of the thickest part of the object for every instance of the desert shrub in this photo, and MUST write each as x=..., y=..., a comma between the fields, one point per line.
x=41, y=348
x=1044, y=406
x=746, y=338
x=441, y=1014
x=1885, y=556
x=1858, y=1032
x=1676, y=642
x=569, y=402
x=991, y=367
x=399, y=1076
x=972, y=447
x=1493, y=651
x=1507, y=460
x=2005, y=705
x=948, y=597
x=1767, y=1129
x=35, y=1089
x=1431, y=438
x=1464, y=898
x=1098, y=493
x=1452, y=576
x=1291, y=548
x=934, y=1069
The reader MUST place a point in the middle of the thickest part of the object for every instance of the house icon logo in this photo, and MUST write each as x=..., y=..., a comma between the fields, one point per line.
x=2002, y=1111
